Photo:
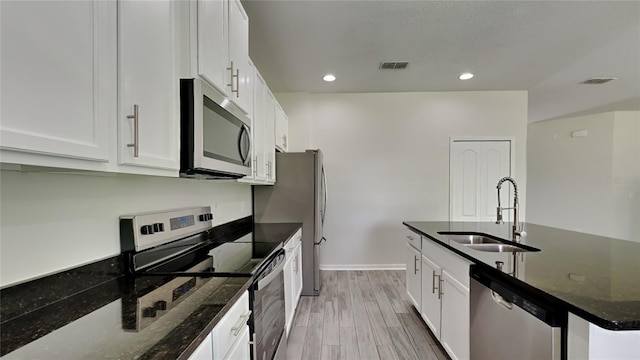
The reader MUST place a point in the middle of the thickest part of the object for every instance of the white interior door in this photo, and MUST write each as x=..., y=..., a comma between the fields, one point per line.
x=476, y=167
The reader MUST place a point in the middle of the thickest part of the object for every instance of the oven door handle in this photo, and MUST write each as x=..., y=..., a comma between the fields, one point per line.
x=273, y=274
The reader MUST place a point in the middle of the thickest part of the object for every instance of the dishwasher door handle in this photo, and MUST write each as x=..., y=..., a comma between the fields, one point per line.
x=501, y=301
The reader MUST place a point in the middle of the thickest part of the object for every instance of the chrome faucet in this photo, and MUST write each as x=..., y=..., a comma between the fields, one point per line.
x=516, y=229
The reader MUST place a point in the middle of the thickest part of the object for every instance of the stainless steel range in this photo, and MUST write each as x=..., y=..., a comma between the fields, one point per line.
x=169, y=255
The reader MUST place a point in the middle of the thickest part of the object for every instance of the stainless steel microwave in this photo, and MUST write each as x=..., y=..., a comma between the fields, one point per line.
x=215, y=135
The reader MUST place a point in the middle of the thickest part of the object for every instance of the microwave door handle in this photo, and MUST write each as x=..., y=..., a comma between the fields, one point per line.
x=244, y=130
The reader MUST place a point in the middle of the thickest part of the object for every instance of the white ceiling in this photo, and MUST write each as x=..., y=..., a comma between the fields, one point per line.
x=545, y=47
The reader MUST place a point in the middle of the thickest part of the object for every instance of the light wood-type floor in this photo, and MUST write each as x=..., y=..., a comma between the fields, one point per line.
x=360, y=315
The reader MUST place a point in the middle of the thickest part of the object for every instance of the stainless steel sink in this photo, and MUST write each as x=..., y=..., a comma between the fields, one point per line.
x=496, y=248
x=468, y=239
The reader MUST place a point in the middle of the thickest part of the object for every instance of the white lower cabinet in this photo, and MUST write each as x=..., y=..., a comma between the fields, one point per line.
x=430, y=310
x=414, y=275
x=230, y=339
x=292, y=278
x=455, y=323
x=241, y=349
x=438, y=286
x=204, y=350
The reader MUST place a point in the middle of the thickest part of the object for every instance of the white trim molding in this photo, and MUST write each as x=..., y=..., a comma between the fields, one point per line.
x=363, y=267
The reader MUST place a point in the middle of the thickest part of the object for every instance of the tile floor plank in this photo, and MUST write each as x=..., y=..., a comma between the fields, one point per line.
x=349, y=344
x=387, y=352
x=418, y=336
x=384, y=304
x=402, y=344
x=331, y=325
x=378, y=326
x=301, y=317
x=360, y=316
x=345, y=312
x=313, y=340
x=330, y=352
x=295, y=342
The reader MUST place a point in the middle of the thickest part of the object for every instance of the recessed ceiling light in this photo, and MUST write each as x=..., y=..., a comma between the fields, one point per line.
x=465, y=76
x=329, y=77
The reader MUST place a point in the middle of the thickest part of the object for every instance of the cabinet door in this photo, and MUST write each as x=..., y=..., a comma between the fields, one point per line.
x=413, y=276
x=58, y=77
x=213, y=45
x=204, y=350
x=149, y=80
x=288, y=292
x=297, y=274
x=259, y=121
x=282, y=127
x=430, y=310
x=455, y=314
x=240, y=350
x=270, y=136
x=239, y=55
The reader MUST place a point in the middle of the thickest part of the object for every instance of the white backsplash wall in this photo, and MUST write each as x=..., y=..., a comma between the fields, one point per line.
x=386, y=157
x=62, y=221
x=589, y=184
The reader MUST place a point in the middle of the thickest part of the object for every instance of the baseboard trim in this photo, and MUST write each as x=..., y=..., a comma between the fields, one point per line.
x=363, y=267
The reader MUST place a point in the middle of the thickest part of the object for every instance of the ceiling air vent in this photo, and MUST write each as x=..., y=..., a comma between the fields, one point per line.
x=395, y=65
x=598, y=80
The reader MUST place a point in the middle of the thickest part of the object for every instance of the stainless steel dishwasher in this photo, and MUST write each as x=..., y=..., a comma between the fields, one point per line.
x=510, y=323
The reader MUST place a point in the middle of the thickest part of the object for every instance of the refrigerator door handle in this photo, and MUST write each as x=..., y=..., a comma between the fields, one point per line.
x=324, y=182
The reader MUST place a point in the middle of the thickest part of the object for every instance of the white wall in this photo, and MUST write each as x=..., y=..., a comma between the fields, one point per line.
x=387, y=159
x=63, y=221
x=589, y=184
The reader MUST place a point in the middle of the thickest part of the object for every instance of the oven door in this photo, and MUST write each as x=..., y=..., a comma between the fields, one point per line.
x=268, y=308
x=215, y=134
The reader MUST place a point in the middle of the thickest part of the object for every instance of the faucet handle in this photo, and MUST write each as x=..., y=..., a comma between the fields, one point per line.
x=499, y=215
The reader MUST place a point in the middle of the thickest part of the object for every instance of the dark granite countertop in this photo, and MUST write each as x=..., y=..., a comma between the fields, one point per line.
x=78, y=313
x=594, y=277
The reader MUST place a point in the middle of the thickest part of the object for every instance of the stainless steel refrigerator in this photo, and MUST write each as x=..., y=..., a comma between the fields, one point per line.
x=299, y=195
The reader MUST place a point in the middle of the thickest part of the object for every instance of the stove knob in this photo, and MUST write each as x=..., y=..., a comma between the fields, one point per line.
x=158, y=227
x=202, y=217
x=160, y=305
x=210, y=216
x=146, y=229
x=149, y=312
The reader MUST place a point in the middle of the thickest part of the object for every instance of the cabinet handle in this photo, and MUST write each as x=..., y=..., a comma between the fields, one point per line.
x=295, y=263
x=243, y=321
x=237, y=74
x=415, y=264
x=254, y=344
x=255, y=167
x=433, y=286
x=237, y=83
x=284, y=140
x=440, y=283
x=136, y=142
x=410, y=237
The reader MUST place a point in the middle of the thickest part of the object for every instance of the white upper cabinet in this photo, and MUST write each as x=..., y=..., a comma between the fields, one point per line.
x=148, y=82
x=239, y=55
x=223, y=50
x=282, y=129
x=213, y=43
x=259, y=128
x=58, y=78
x=270, y=135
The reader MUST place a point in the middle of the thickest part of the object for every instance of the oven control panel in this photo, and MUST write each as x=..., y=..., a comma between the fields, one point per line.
x=146, y=230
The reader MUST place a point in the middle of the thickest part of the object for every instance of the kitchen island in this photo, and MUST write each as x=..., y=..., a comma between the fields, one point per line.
x=595, y=278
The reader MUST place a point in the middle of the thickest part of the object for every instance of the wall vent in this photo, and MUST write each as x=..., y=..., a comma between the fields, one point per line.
x=598, y=80
x=394, y=65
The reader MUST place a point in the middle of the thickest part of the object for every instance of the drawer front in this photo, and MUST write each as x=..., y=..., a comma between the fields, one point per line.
x=413, y=239
x=230, y=328
x=455, y=265
x=293, y=241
